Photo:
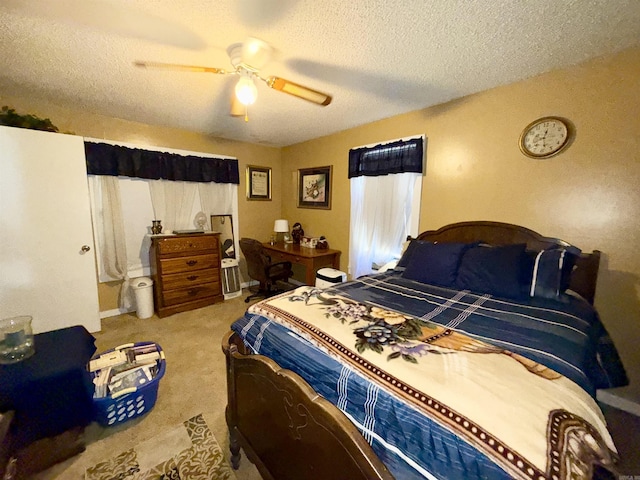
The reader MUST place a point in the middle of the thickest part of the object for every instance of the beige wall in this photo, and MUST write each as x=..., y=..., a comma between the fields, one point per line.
x=588, y=195
x=256, y=218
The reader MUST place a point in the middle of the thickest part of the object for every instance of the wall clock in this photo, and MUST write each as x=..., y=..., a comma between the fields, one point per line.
x=544, y=137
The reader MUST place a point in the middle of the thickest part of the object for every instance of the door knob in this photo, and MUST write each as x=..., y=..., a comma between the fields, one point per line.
x=85, y=248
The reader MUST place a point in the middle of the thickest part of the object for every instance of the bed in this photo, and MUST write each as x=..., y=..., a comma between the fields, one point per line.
x=477, y=356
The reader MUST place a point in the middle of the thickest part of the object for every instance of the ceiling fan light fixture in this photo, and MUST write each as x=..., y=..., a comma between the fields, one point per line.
x=246, y=90
x=255, y=53
x=247, y=59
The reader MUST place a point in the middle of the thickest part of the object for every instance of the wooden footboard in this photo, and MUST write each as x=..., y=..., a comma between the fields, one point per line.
x=285, y=428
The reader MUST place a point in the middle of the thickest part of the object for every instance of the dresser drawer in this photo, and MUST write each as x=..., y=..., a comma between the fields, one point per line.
x=197, y=292
x=187, y=245
x=188, y=264
x=188, y=279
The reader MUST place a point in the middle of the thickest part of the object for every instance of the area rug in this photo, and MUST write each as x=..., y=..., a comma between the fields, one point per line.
x=187, y=452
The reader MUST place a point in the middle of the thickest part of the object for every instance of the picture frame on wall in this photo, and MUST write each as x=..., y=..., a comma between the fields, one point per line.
x=258, y=183
x=314, y=187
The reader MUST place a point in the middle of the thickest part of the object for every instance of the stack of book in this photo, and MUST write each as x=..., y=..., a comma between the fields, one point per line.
x=124, y=369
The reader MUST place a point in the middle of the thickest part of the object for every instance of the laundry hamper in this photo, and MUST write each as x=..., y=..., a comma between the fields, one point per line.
x=131, y=402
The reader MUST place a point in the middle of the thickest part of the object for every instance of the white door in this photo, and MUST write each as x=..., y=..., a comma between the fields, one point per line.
x=47, y=263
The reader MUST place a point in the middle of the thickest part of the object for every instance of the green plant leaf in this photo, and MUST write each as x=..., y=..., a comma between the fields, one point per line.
x=10, y=118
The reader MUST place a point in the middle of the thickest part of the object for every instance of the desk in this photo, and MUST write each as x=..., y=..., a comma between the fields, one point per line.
x=311, y=258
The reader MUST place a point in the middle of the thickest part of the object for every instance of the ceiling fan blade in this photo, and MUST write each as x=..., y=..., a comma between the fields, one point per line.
x=175, y=66
x=299, y=91
x=237, y=108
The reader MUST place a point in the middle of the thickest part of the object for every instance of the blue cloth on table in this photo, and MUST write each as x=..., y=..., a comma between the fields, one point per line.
x=51, y=391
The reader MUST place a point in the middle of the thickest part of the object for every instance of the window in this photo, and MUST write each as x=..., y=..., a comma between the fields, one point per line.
x=130, y=187
x=138, y=212
x=386, y=185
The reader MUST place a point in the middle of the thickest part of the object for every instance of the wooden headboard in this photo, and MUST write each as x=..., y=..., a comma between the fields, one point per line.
x=583, y=278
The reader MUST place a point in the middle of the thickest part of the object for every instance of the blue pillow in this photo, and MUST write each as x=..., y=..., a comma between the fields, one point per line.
x=406, y=256
x=552, y=271
x=495, y=270
x=434, y=263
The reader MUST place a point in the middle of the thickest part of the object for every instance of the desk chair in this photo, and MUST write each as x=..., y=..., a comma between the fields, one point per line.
x=261, y=268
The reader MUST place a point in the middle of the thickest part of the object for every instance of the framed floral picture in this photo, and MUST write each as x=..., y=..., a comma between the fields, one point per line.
x=258, y=183
x=314, y=187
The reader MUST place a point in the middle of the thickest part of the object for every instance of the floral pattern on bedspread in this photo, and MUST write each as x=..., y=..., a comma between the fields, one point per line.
x=566, y=336
x=406, y=337
x=414, y=358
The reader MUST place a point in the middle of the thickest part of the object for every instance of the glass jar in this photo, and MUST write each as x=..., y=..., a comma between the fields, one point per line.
x=16, y=339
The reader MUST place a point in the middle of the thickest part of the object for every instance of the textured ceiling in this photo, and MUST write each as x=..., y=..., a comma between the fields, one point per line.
x=378, y=58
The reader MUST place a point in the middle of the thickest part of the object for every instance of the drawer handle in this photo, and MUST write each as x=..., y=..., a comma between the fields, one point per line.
x=191, y=263
x=192, y=277
x=193, y=292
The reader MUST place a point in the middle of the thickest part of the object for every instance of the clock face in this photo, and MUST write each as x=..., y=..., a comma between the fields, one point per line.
x=544, y=137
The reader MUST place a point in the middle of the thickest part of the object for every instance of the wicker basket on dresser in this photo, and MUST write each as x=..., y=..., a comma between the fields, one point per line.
x=186, y=272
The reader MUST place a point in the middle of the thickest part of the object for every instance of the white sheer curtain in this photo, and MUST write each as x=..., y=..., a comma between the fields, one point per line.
x=218, y=198
x=380, y=219
x=173, y=203
x=122, y=210
x=111, y=234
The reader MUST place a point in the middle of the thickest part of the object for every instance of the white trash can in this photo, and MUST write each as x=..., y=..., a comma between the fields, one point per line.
x=328, y=277
x=143, y=291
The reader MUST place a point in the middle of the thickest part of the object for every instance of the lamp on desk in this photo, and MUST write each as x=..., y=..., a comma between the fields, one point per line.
x=282, y=227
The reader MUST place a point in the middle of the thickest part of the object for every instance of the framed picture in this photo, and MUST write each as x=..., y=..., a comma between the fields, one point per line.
x=314, y=187
x=258, y=183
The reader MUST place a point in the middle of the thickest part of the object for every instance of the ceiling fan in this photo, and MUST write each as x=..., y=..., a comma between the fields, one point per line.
x=247, y=59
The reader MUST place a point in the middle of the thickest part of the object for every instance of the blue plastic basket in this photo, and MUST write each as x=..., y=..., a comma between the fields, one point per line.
x=130, y=403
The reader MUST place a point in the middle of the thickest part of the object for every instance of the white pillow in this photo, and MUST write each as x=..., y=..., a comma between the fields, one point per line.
x=388, y=266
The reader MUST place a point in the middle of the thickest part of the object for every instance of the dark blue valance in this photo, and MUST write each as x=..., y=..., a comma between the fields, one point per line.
x=116, y=160
x=394, y=157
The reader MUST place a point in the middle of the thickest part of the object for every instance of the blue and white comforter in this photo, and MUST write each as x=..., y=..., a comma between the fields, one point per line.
x=442, y=383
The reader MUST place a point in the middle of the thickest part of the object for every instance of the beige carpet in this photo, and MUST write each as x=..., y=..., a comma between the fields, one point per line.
x=194, y=383
x=188, y=451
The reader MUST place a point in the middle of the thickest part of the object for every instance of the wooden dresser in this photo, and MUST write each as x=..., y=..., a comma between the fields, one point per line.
x=186, y=272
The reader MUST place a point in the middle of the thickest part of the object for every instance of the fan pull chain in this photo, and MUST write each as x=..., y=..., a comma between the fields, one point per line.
x=246, y=113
